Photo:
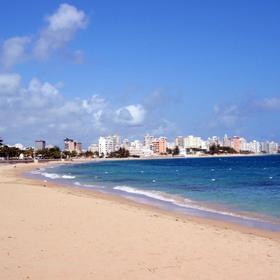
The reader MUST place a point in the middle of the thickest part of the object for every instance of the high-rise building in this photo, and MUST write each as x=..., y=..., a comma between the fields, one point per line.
x=148, y=141
x=78, y=147
x=93, y=148
x=255, y=147
x=72, y=146
x=179, y=141
x=116, y=140
x=106, y=146
x=269, y=147
x=236, y=143
x=69, y=145
x=244, y=145
x=192, y=142
x=214, y=140
x=40, y=145
x=159, y=145
x=226, y=141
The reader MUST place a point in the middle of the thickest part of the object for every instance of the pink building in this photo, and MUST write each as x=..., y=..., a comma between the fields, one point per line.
x=159, y=145
x=70, y=145
x=236, y=143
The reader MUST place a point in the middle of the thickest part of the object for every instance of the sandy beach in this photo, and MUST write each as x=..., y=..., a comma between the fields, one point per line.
x=54, y=232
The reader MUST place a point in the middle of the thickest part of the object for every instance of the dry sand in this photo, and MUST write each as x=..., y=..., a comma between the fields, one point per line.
x=60, y=233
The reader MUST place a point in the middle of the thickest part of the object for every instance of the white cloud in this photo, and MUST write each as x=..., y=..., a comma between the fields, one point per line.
x=41, y=109
x=46, y=89
x=131, y=115
x=9, y=83
x=269, y=104
x=14, y=51
x=61, y=28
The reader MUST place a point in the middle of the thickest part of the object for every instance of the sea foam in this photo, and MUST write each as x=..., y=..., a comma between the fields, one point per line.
x=178, y=201
x=57, y=176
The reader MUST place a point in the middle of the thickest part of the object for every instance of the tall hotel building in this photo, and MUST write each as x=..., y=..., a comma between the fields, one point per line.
x=109, y=144
x=40, y=145
x=159, y=145
x=70, y=145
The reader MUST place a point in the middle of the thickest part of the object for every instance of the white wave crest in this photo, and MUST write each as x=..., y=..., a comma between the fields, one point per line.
x=57, y=176
x=68, y=177
x=152, y=194
x=178, y=201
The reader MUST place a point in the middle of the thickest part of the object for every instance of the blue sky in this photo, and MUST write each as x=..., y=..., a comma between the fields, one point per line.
x=87, y=68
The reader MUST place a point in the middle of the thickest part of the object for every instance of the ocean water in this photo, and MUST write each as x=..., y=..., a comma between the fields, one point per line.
x=243, y=190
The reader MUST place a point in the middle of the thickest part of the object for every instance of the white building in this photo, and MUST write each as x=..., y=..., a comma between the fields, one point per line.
x=148, y=141
x=214, y=140
x=137, y=148
x=116, y=141
x=244, y=145
x=192, y=142
x=105, y=146
x=226, y=141
x=179, y=141
x=94, y=148
x=269, y=147
x=255, y=147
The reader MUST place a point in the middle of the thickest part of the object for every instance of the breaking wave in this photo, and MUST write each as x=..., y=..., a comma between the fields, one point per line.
x=178, y=201
x=57, y=176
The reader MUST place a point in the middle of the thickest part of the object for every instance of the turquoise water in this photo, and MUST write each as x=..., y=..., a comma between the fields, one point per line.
x=242, y=189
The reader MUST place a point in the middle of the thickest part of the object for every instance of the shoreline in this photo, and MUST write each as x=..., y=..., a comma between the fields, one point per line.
x=45, y=229
x=204, y=211
x=121, y=199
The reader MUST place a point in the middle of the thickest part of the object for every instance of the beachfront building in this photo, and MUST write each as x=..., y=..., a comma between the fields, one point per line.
x=244, y=145
x=69, y=145
x=108, y=144
x=179, y=141
x=214, y=140
x=40, y=145
x=236, y=143
x=105, y=146
x=79, y=147
x=94, y=148
x=116, y=141
x=269, y=147
x=159, y=145
x=148, y=141
x=72, y=146
x=254, y=147
x=249, y=147
x=192, y=142
x=226, y=141
x=136, y=148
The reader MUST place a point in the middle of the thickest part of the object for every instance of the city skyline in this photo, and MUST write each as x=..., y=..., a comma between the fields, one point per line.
x=149, y=145
x=87, y=69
